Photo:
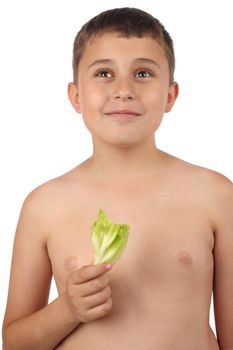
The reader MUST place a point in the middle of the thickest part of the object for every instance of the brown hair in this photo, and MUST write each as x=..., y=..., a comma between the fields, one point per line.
x=127, y=22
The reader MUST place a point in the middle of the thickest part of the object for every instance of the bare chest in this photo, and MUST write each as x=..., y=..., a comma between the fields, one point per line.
x=170, y=242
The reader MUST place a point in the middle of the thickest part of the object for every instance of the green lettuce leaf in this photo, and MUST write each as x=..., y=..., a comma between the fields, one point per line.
x=108, y=239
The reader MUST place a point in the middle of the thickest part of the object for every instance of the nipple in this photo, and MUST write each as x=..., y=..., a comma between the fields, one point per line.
x=185, y=258
x=70, y=263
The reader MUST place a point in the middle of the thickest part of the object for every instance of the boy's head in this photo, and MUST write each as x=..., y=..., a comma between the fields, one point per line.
x=128, y=22
x=123, y=76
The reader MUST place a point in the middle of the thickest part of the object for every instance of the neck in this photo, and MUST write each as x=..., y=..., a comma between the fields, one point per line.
x=126, y=163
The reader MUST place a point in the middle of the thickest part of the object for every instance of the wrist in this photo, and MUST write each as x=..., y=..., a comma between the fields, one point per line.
x=67, y=311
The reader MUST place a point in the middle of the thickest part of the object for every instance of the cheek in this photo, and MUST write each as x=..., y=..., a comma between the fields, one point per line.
x=156, y=98
x=93, y=99
x=155, y=103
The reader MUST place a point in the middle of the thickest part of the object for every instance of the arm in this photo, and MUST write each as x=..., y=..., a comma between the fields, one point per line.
x=29, y=322
x=223, y=271
x=44, y=329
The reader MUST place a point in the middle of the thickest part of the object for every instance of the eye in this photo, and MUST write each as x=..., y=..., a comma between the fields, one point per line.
x=103, y=73
x=143, y=73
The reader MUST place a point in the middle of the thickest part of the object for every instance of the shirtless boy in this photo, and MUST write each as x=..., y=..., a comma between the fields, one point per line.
x=180, y=248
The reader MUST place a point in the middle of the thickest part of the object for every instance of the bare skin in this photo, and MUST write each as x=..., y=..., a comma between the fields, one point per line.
x=180, y=215
x=161, y=287
x=160, y=290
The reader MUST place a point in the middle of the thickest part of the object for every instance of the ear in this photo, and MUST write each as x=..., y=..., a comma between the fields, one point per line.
x=172, y=96
x=74, y=96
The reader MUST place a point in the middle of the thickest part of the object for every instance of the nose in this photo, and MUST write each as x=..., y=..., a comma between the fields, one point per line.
x=123, y=90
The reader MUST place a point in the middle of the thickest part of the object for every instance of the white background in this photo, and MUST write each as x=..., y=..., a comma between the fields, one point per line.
x=42, y=137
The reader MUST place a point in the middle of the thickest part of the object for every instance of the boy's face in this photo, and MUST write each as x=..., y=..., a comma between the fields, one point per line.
x=123, y=88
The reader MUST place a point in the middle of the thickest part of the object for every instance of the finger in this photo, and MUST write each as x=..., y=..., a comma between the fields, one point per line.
x=100, y=310
x=95, y=285
x=97, y=299
x=87, y=273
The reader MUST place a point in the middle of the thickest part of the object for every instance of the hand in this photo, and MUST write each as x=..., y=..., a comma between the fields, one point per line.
x=88, y=293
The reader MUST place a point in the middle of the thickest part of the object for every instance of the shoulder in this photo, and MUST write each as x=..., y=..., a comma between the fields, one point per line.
x=47, y=202
x=221, y=203
x=44, y=195
x=56, y=189
x=209, y=187
x=202, y=177
x=210, y=181
x=219, y=189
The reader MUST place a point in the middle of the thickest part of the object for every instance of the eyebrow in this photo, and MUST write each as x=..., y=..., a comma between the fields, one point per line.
x=147, y=60
x=110, y=61
x=102, y=61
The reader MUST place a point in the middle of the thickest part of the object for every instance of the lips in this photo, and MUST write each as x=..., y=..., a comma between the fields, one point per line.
x=123, y=111
x=123, y=114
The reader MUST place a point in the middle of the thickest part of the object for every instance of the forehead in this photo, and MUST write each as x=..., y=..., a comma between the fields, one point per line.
x=115, y=46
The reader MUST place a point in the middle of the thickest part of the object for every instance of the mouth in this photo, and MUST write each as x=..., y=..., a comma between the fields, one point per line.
x=123, y=114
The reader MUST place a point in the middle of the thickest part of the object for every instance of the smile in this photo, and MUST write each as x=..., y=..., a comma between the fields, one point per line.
x=123, y=114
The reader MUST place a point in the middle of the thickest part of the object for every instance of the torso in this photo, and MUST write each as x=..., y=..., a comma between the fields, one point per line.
x=162, y=284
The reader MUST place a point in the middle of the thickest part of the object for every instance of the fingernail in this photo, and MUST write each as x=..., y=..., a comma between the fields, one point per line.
x=108, y=266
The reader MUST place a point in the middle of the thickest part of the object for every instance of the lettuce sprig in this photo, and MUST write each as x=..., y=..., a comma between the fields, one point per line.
x=108, y=239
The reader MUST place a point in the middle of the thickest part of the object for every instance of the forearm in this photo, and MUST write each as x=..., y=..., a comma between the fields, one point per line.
x=44, y=329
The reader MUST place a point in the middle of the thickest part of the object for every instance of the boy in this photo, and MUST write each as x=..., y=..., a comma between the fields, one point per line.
x=180, y=248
